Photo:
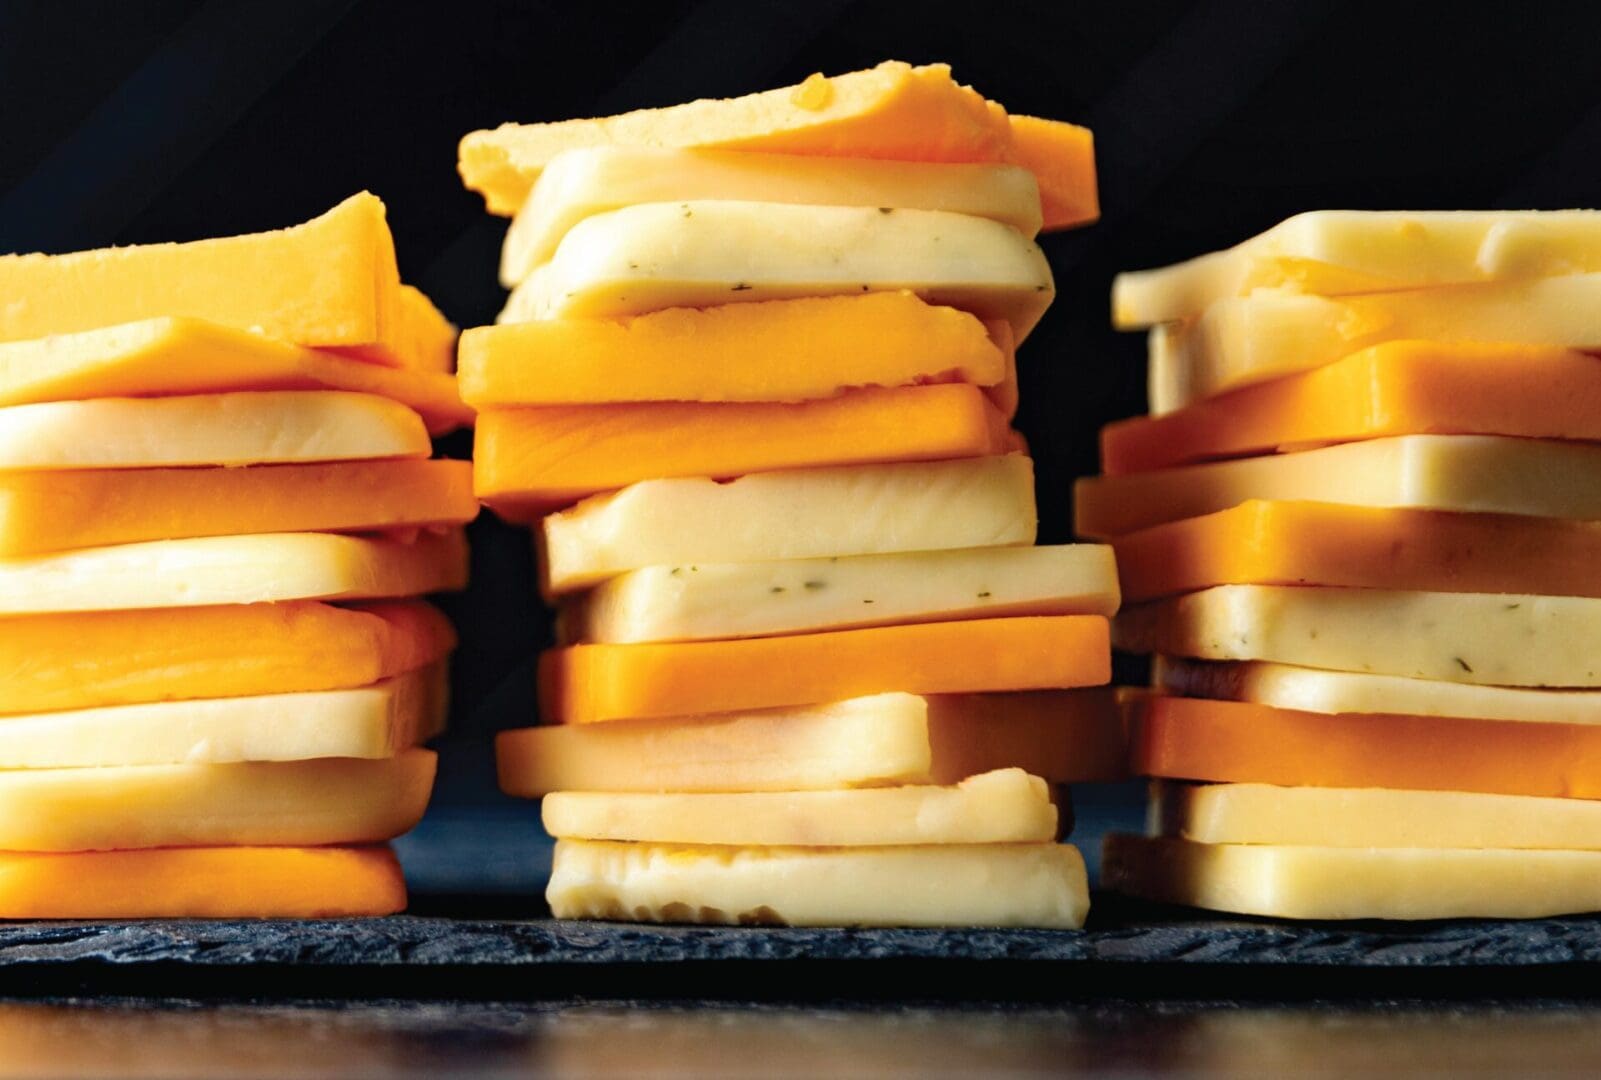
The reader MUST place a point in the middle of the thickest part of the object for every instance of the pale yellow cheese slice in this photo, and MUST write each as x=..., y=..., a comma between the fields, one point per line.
x=791, y=514
x=1035, y=885
x=793, y=596
x=1492, y=639
x=700, y=253
x=1283, y=686
x=1297, y=882
x=1469, y=473
x=1003, y=807
x=293, y=803
x=376, y=721
x=212, y=570
x=1371, y=817
x=1336, y=252
x=245, y=428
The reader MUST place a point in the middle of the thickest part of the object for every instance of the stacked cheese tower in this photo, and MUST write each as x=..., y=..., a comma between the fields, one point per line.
x=215, y=501
x=810, y=669
x=1361, y=535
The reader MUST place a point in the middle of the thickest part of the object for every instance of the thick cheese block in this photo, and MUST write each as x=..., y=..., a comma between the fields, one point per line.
x=1239, y=742
x=1064, y=736
x=1036, y=885
x=780, y=350
x=326, y=801
x=165, y=357
x=1493, y=639
x=1310, y=690
x=1370, y=817
x=1294, y=882
x=1470, y=473
x=796, y=514
x=1003, y=807
x=589, y=683
x=87, y=659
x=43, y=511
x=1338, y=252
x=329, y=283
x=376, y=721
x=529, y=461
x=696, y=254
x=580, y=183
x=214, y=570
x=791, y=596
x=202, y=883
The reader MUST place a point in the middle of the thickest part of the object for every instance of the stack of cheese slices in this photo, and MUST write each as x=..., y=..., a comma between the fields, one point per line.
x=811, y=670
x=1361, y=533
x=216, y=500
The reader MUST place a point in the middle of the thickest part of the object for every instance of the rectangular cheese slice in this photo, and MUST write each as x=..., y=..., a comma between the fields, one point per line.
x=780, y=350
x=326, y=801
x=1469, y=473
x=796, y=514
x=1369, y=817
x=697, y=254
x=1064, y=736
x=376, y=721
x=331, y=282
x=167, y=356
x=1493, y=639
x=87, y=659
x=1003, y=807
x=42, y=511
x=1239, y=742
x=529, y=461
x=589, y=683
x=1338, y=252
x=1310, y=690
x=1293, y=882
x=791, y=596
x=1035, y=885
x=583, y=182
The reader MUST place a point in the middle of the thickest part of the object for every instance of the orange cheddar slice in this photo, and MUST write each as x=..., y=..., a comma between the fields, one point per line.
x=1062, y=158
x=42, y=512
x=85, y=659
x=1243, y=742
x=202, y=883
x=330, y=283
x=527, y=461
x=1399, y=388
x=586, y=683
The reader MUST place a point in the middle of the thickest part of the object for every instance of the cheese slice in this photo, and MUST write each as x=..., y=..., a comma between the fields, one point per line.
x=376, y=721
x=795, y=514
x=1309, y=690
x=43, y=511
x=1295, y=882
x=1237, y=742
x=1337, y=252
x=329, y=283
x=1369, y=817
x=590, y=683
x=780, y=350
x=701, y=253
x=167, y=356
x=202, y=883
x=1007, y=806
x=1065, y=736
x=87, y=659
x=1493, y=639
x=1036, y=885
x=583, y=182
x=791, y=596
x=1470, y=473
x=532, y=460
